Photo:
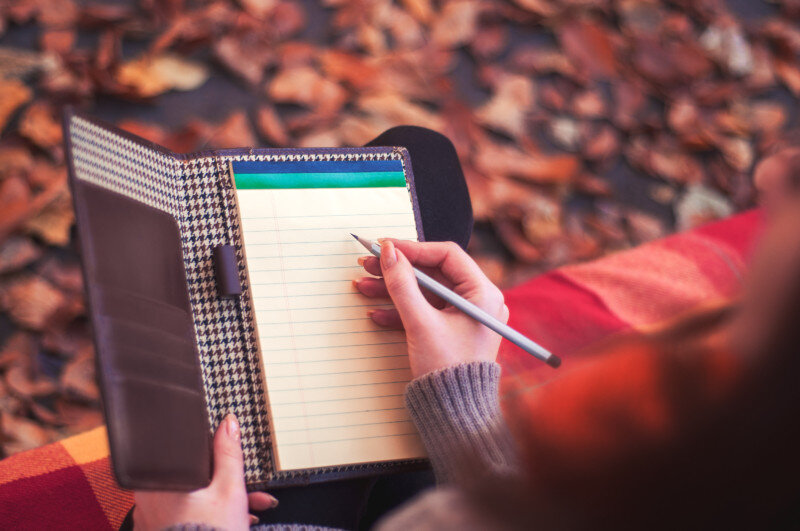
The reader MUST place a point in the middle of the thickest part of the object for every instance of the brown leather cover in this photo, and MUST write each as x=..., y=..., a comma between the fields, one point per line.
x=148, y=365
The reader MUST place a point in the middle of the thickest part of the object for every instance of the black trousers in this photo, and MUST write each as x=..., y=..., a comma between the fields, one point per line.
x=446, y=214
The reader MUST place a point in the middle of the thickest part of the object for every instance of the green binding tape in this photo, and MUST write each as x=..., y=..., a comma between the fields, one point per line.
x=259, y=181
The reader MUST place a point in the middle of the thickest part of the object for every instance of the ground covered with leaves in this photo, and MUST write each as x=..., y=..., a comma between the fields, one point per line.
x=583, y=126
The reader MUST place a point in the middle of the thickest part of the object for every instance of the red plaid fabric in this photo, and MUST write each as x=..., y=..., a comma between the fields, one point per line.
x=69, y=484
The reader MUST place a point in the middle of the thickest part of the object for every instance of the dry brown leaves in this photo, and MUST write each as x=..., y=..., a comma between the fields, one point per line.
x=550, y=104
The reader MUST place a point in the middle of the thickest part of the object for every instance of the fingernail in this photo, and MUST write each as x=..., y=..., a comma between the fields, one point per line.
x=355, y=282
x=273, y=499
x=232, y=425
x=388, y=254
x=362, y=260
x=370, y=313
x=253, y=519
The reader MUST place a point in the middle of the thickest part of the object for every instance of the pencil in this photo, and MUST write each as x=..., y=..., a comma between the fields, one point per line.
x=523, y=342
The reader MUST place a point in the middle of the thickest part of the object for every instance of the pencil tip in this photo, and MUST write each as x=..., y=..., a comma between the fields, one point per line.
x=353, y=235
x=554, y=361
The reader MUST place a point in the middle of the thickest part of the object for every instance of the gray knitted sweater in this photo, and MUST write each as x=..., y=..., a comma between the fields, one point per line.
x=457, y=413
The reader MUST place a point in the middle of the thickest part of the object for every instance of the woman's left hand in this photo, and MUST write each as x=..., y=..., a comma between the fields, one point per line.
x=223, y=504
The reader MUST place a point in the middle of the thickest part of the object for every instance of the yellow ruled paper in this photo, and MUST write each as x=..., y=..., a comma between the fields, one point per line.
x=334, y=379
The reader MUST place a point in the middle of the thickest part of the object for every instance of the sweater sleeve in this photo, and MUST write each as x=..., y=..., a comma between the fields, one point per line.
x=457, y=413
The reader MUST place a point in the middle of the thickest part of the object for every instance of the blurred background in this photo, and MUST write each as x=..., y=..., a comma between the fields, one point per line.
x=583, y=126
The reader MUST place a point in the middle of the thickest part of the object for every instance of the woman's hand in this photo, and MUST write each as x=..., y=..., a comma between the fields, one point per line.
x=438, y=335
x=223, y=504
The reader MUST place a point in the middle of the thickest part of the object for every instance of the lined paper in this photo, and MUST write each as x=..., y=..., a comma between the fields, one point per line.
x=334, y=379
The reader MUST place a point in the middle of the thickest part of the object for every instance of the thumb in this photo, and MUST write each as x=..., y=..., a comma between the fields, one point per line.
x=402, y=285
x=228, y=460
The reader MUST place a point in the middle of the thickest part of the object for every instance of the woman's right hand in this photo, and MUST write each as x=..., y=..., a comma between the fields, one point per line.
x=438, y=334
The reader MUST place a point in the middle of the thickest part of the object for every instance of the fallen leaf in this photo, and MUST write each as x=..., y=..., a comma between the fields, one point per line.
x=505, y=160
x=65, y=276
x=26, y=383
x=39, y=125
x=565, y=132
x=16, y=253
x=602, y=144
x=15, y=94
x=53, y=223
x=303, y=85
x=729, y=47
x=32, y=302
x=589, y=45
x=233, y=132
x=738, y=152
x=644, y=226
x=78, y=417
x=271, y=127
x=60, y=41
x=508, y=224
x=456, y=24
x=541, y=220
x=589, y=104
x=247, y=57
x=421, y=10
x=20, y=63
x=78, y=379
x=490, y=41
x=18, y=348
x=789, y=73
x=396, y=110
x=592, y=184
x=21, y=434
x=700, y=205
x=150, y=76
x=507, y=110
x=258, y=8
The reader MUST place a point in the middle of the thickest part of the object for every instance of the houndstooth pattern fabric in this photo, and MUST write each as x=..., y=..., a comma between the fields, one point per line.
x=122, y=165
x=225, y=333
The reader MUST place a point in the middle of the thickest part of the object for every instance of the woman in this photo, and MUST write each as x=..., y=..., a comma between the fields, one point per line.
x=453, y=398
x=700, y=421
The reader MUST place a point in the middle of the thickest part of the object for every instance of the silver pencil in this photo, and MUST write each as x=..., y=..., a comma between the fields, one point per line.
x=526, y=344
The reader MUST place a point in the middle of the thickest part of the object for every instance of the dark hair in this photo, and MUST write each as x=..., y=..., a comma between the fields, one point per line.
x=731, y=462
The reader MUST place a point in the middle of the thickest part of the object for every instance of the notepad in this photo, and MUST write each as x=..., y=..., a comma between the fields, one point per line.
x=334, y=380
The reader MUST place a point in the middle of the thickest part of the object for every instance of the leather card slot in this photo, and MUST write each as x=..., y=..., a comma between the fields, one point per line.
x=140, y=363
x=143, y=337
x=132, y=246
x=122, y=379
x=129, y=306
x=157, y=426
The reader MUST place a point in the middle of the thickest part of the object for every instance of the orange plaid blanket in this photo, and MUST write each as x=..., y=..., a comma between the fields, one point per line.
x=69, y=484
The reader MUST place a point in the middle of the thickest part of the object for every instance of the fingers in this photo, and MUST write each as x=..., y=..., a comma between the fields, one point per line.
x=448, y=257
x=386, y=318
x=402, y=286
x=261, y=501
x=371, y=264
x=228, y=461
x=371, y=287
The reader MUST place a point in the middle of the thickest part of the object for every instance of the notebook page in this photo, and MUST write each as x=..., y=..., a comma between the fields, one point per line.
x=334, y=379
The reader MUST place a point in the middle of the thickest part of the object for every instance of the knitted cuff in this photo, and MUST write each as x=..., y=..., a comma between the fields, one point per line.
x=457, y=413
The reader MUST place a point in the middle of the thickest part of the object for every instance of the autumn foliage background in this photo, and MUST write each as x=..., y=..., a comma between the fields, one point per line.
x=583, y=126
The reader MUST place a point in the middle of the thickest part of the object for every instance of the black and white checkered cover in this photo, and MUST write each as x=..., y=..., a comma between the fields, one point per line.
x=198, y=192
